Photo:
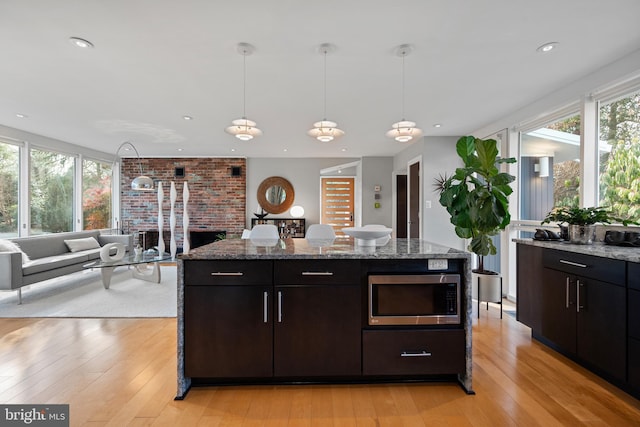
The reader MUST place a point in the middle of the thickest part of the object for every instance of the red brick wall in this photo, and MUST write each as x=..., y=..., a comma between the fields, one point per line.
x=216, y=199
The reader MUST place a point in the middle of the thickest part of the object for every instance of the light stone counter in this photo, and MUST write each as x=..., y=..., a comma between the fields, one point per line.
x=631, y=254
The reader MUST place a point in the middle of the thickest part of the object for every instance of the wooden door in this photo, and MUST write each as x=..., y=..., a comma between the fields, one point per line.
x=338, y=204
x=401, y=206
x=414, y=200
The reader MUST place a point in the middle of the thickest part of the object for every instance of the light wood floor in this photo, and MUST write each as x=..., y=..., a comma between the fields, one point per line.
x=121, y=372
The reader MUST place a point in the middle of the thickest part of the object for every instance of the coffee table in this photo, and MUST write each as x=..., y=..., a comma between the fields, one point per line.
x=145, y=266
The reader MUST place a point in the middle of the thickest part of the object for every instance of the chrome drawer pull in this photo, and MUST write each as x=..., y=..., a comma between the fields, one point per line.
x=220, y=273
x=265, y=307
x=575, y=264
x=412, y=354
x=317, y=273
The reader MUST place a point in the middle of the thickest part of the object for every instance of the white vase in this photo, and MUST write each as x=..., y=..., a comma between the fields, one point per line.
x=173, y=195
x=160, y=220
x=186, y=245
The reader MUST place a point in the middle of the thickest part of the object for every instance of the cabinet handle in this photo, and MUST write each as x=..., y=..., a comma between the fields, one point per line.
x=578, y=286
x=415, y=354
x=575, y=264
x=566, y=293
x=265, y=307
x=317, y=273
x=223, y=273
x=279, y=306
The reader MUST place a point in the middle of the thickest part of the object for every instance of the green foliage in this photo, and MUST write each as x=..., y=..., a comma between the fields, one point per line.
x=8, y=188
x=620, y=181
x=476, y=195
x=582, y=216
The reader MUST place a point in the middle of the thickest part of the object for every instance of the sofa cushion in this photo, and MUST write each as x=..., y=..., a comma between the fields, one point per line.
x=53, y=262
x=77, y=245
x=9, y=246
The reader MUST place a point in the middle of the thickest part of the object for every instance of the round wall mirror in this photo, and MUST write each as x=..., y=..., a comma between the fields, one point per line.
x=275, y=195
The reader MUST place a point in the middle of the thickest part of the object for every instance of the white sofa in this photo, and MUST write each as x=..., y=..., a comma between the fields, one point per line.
x=50, y=256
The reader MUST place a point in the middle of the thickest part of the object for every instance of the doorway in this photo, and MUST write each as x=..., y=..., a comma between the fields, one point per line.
x=337, y=202
x=414, y=198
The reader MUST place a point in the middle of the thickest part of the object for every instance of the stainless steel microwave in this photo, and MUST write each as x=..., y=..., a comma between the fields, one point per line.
x=415, y=299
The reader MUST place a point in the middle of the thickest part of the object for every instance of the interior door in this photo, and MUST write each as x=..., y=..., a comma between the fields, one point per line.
x=337, y=203
x=401, y=207
x=414, y=199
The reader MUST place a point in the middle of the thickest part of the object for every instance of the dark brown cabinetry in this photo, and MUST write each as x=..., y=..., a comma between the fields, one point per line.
x=584, y=315
x=634, y=326
x=229, y=319
x=317, y=319
x=529, y=290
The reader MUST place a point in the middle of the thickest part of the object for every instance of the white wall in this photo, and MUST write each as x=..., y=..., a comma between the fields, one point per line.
x=304, y=175
x=377, y=171
x=438, y=157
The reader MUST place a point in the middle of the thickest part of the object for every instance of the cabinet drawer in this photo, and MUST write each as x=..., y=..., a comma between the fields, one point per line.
x=634, y=276
x=413, y=352
x=317, y=272
x=634, y=313
x=206, y=273
x=594, y=267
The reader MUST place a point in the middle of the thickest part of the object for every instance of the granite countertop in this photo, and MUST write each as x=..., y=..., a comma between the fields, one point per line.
x=600, y=249
x=340, y=248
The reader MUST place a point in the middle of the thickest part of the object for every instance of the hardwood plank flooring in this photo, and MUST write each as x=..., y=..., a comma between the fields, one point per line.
x=122, y=372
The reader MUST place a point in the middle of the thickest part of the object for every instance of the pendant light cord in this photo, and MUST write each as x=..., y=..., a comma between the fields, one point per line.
x=324, y=113
x=244, y=84
x=404, y=53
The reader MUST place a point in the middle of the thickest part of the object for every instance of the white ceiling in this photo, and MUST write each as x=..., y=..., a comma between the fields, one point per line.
x=157, y=60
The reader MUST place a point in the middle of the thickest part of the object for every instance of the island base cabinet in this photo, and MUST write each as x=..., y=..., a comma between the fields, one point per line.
x=228, y=331
x=317, y=331
x=424, y=352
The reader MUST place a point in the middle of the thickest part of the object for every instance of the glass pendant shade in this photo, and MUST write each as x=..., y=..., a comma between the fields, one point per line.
x=404, y=131
x=243, y=129
x=325, y=131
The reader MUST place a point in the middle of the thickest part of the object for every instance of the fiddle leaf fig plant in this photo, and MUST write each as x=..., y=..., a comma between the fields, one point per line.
x=476, y=195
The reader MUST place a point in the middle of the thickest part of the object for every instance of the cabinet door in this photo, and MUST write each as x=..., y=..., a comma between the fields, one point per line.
x=317, y=331
x=529, y=286
x=558, y=309
x=601, y=326
x=228, y=331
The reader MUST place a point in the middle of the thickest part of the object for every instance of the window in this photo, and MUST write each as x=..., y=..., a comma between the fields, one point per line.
x=96, y=195
x=51, y=192
x=619, y=156
x=9, y=178
x=550, y=167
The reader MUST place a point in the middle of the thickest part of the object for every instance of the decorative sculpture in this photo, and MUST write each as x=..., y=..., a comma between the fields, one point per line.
x=186, y=245
x=172, y=220
x=160, y=220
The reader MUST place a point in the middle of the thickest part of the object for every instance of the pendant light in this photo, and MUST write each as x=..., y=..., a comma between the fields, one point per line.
x=243, y=128
x=404, y=130
x=325, y=130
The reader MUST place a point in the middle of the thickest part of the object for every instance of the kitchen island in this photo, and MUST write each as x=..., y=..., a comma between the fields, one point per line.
x=296, y=311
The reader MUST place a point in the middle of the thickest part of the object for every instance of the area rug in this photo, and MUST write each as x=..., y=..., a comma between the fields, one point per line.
x=82, y=295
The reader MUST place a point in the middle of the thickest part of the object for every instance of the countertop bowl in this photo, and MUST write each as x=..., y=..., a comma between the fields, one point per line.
x=367, y=236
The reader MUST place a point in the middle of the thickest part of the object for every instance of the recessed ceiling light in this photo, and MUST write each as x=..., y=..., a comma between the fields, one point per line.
x=187, y=117
x=548, y=47
x=21, y=116
x=78, y=42
x=285, y=150
x=233, y=149
x=343, y=150
x=180, y=149
x=437, y=125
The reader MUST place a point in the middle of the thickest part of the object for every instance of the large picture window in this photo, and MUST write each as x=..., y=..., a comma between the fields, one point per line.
x=619, y=155
x=9, y=178
x=96, y=195
x=51, y=192
x=550, y=168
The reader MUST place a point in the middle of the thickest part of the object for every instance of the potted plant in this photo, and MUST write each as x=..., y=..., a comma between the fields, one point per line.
x=581, y=222
x=476, y=195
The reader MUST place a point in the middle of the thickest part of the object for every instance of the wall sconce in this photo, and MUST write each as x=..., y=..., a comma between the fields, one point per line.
x=541, y=167
x=139, y=183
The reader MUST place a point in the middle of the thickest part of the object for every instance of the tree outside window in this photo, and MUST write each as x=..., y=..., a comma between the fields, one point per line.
x=96, y=195
x=620, y=159
x=9, y=173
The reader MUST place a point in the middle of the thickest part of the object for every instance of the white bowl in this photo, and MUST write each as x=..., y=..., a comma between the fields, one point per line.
x=367, y=236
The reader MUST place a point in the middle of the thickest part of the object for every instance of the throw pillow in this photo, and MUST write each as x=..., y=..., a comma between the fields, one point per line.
x=9, y=246
x=76, y=245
